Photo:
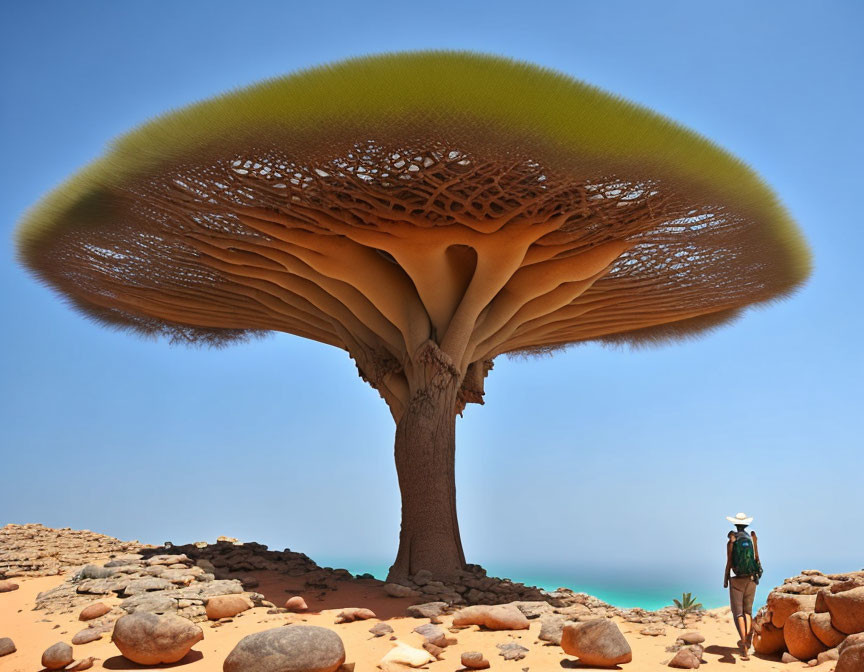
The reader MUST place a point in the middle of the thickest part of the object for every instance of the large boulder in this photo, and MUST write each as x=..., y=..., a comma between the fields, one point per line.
x=783, y=605
x=297, y=648
x=7, y=646
x=598, y=642
x=493, y=617
x=57, y=656
x=768, y=639
x=800, y=640
x=851, y=652
x=821, y=626
x=847, y=610
x=227, y=606
x=150, y=639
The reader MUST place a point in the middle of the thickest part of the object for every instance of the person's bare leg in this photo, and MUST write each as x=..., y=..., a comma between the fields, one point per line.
x=748, y=628
x=741, y=625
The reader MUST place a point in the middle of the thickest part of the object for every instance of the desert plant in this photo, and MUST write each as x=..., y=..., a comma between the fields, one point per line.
x=687, y=605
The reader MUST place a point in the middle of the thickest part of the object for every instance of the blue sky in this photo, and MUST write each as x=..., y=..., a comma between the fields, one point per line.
x=594, y=461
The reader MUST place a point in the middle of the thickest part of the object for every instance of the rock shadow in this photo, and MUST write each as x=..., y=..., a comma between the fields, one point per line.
x=570, y=664
x=121, y=663
x=726, y=653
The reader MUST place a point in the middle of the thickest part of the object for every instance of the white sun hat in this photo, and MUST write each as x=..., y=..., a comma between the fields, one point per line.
x=740, y=519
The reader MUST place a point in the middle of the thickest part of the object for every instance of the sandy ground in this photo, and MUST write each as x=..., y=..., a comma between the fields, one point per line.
x=34, y=631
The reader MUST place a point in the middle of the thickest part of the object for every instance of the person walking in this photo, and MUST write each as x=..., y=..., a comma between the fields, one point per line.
x=742, y=559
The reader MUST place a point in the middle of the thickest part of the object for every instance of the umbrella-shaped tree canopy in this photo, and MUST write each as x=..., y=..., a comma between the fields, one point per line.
x=426, y=212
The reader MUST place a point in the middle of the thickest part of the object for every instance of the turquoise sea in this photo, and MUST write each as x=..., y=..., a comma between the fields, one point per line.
x=648, y=589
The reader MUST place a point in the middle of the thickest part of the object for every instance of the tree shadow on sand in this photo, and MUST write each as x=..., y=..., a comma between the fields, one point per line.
x=121, y=663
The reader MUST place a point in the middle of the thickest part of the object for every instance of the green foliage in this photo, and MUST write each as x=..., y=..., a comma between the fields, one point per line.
x=687, y=605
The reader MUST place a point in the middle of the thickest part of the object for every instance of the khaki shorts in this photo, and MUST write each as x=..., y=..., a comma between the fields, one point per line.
x=742, y=590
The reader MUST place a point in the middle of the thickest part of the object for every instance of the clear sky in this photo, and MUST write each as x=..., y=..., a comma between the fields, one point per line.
x=595, y=463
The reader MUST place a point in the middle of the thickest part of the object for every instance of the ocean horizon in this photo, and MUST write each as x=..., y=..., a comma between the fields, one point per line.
x=645, y=588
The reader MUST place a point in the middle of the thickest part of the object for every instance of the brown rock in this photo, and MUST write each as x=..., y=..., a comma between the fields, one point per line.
x=692, y=638
x=474, y=660
x=227, y=606
x=493, y=617
x=851, y=654
x=783, y=605
x=848, y=584
x=150, y=639
x=825, y=656
x=7, y=646
x=799, y=638
x=598, y=642
x=354, y=614
x=435, y=650
x=381, y=629
x=821, y=626
x=79, y=665
x=847, y=610
x=768, y=639
x=296, y=603
x=7, y=586
x=298, y=648
x=821, y=607
x=685, y=659
x=86, y=636
x=653, y=631
x=57, y=656
x=94, y=610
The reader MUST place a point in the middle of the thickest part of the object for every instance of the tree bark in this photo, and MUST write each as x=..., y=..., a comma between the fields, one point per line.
x=425, y=464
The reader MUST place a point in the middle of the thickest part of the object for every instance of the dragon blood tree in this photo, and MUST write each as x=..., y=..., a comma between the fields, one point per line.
x=425, y=212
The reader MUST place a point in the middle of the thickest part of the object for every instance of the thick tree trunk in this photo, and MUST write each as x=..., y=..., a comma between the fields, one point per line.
x=425, y=464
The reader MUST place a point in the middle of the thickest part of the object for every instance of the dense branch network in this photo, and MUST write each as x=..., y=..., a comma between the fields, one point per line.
x=386, y=248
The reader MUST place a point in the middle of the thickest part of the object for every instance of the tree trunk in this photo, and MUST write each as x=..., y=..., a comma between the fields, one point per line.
x=425, y=463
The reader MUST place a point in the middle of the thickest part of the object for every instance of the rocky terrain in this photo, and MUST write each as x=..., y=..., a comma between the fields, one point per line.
x=231, y=601
x=189, y=574
x=36, y=550
x=815, y=618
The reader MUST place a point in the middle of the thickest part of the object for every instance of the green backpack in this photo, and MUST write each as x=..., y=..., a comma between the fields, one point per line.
x=744, y=562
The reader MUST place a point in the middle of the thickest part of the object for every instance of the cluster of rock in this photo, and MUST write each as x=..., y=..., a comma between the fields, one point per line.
x=596, y=641
x=814, y=618
x=36, y=550
x=155, y=584
x=473, y=587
